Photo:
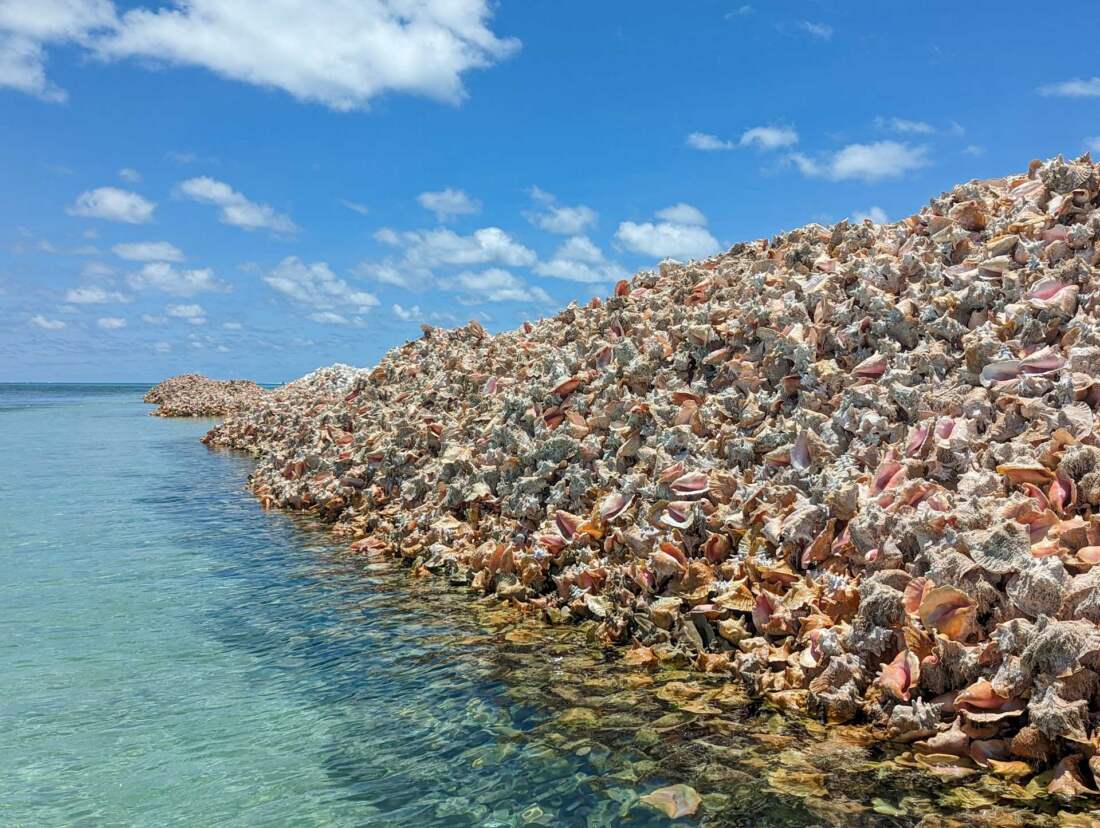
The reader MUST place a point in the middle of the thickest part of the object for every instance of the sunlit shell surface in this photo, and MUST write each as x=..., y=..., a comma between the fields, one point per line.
x=857, y=468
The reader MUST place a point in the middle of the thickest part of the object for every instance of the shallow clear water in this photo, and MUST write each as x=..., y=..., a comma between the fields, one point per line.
x=172, y=655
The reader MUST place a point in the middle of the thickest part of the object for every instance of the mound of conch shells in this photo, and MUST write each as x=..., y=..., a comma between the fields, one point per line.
x=193, y=395
x=857, y=467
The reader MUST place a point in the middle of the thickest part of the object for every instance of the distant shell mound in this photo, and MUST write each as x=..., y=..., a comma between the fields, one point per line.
x=193, y=395
x=857, y=467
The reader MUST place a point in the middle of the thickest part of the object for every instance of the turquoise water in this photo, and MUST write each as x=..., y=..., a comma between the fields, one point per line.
x=172, y=655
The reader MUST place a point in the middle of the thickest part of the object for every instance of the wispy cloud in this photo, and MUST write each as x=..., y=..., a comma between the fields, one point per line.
x=905, y=125
x=192, y=314
x=865, y=162
x=1076, y=88
x=557, y=218
x=40, y=321
x=708, y=142
x=235, y=208
x=164, y=277
x=821, y=31
x=94, y=296
x=111, y=323
x=316, y=286
x=875, y=214
x=762, y=137
x=495, y=285
x=449, y=204
x=154, y=251
x=356, y=207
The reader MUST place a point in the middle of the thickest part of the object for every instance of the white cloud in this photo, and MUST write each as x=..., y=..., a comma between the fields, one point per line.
x=875, y=214
x=681, y=234
x=430, y=248
x=407, y=314
x=27, y=25
x=316, y=286
x=905, y=125
x=448, y=204
x=355, y=206
x=763, y=137
x=130, y=175
x=162, y=347
x=158, y=251
x=665, y=240
x=1076, y=88
x=558, y=218
x=579, y=260
x=162, y=276
x=93, y=296
x=740, y=11
x=329, y=318
x=1093, y=143
x=973, y=149
x=232, y=326
x=822, y=31
x=769, y=137
x=150, y=319
x=579, y=249
x=113, y=204
x=342, y=54
x=40, y=321
x=495, y=285
x=111, y=323
x=682, y=214
x=194, y=314
x=388, y=236
x=398, y=274
x=709, y=143
x=866, y=162
x=235, y=208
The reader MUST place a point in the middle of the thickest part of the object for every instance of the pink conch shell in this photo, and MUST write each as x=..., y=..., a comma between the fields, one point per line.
x=664, y=565
x=614, y=505
x=677, y=514
x=669, y=474
x=871, y=368
x=1005, y=369
x=980, y=696
x=1045, y=289
x=566, y=387
x=917, y=439
x=691, y=484
x=950, y=612
x=885, y=473
x=900, y=675
x=800, y=452
x=914, y=594
x=1042, y=361
x=567, y=524
x=552, y=541
x=1089, y=554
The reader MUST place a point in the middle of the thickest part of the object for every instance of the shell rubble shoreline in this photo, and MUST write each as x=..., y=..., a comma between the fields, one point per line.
x=856, y=467
x=193, y=395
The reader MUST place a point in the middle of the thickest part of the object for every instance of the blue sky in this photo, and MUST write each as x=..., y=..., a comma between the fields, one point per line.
x=247, y=188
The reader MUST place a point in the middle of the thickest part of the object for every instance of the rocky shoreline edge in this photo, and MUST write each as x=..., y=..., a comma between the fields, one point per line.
x=855, y=467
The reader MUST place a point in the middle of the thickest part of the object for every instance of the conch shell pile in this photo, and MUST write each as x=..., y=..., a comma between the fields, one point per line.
x=857, y=467
x=193, y=395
